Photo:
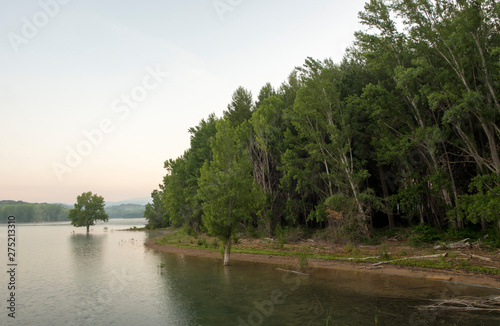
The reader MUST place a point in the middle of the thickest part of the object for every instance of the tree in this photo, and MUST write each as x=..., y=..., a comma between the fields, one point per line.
x=241, y=107
x=265, y=148
x=228, y=192
x=482, y=203
x=328, y=125
x=155, y=213
x=180, y=185
x=88, y=209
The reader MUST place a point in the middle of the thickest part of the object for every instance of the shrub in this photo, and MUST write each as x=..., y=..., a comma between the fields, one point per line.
x=280, y=237
x=252, y=232
x=384, y=252
x=492, y=239
x=302, y=261
x=423, y=234
x=293, y=234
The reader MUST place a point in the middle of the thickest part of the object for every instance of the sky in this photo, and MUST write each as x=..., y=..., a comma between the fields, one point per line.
x=96, y=95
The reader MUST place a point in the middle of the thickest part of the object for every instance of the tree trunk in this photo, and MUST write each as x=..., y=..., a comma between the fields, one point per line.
x=88, y=226
x=484, y=225
x=227, y=251
x=492, y=145
x=385, y=192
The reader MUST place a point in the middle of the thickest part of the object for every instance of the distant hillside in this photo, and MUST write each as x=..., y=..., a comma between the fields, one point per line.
x=43, y=212
x=137, y=201
x=125, y=211
x=32, y=213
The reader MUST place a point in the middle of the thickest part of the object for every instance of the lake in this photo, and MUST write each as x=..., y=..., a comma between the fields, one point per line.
x=66, y=277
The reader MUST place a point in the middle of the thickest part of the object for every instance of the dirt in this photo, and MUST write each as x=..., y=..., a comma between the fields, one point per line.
x=397, y=249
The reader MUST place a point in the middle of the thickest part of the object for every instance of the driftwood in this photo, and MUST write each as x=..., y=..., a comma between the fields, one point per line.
x=477, y=257
x=291, y=271
x=490, y=304
x=365, y=258
x=455, y=245
x=415, y=257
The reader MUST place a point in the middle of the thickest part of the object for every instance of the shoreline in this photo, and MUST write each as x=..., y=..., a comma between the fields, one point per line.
x=325, y=265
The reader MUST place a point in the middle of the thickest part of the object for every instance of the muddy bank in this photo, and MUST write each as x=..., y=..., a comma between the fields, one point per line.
x=290, y=262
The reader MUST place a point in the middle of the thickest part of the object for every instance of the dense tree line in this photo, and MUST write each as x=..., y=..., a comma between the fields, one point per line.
x=42, y=212
x=33, y=213
x=404, y=130
x=125, y=211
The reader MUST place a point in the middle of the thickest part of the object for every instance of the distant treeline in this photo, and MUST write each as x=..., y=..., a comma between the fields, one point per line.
x=125, y=211
x=405, y=130
x=37, y=213
x=33, y=213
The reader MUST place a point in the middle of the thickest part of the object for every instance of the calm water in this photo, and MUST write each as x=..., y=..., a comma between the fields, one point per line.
x=65, y=277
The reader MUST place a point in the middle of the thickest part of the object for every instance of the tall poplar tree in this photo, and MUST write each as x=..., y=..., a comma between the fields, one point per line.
x=226, y=188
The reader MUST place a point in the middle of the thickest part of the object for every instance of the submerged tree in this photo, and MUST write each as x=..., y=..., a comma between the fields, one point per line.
x=226, y=187
x=89, y=208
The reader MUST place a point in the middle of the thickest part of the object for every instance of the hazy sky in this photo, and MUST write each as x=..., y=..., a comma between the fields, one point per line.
x=96, y=94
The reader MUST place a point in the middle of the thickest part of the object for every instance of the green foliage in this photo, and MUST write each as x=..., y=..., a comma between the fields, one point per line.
x=202, y=242
x=88, y=209
x=403, y=253
x=241, y=107
x=155, y=212
x=125, y=211
x=33, y=213
x=280, y=235
x=456, y=234
x=406, y=129
x=252, y=231
x=293, y=234
x=384, y=252
x=179, y=197
x=492, y=239
x=265, y=147
x=483, y=202
x=226, y=187
x=423, y=234
x=303, y=262
x=351, y=249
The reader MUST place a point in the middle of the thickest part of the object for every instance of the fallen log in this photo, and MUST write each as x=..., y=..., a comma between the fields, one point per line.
x=455, y=245
x=365, y=258
x=477, y=257
x=415, y=257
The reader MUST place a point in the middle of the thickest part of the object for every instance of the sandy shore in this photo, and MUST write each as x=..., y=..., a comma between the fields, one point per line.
x=291, y=262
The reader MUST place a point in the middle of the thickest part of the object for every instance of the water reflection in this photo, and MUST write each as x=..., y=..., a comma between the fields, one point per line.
x=86, y=247
x=257, y=294
x=110, y=278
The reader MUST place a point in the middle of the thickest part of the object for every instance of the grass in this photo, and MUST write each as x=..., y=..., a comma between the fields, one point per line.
x=442, y=264
x=179, y=239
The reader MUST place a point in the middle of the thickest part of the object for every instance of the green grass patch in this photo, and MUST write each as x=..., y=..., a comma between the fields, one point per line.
x=443, y=264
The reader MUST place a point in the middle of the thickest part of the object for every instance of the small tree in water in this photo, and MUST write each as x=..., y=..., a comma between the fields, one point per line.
x=88, y=209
